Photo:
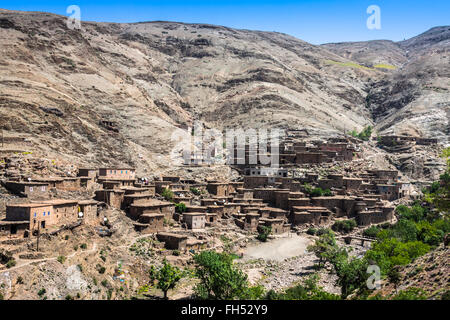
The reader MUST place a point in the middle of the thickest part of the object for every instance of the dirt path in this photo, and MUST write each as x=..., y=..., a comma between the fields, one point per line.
x=94, y=248
x=278, y=249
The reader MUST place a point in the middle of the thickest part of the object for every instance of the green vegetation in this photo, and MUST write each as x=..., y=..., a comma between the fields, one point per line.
x=316, y=192
x=344, y=226
x=11, y=263
x=263, y=233
x=167, y=277
x=195, y=191
x=83, y=246
x=308, y=290
x=365, y=134
x=167, y=194
x=420, y=228
x=220, y=279
x=371, y=232
x=411, y=293
x=41, y=292
x=311, y=231
x=61, y=259
x=385, y=66
x=180, y=207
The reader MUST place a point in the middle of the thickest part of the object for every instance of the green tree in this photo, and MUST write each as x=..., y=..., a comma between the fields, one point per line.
x=323, y=246
x=167, y=277
x=167, y=194
x=352, y=274
x=180, y=207
x=219, y=279
x=263, y=233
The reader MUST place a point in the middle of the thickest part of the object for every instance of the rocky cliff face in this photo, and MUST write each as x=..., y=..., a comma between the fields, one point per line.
x=57, y=85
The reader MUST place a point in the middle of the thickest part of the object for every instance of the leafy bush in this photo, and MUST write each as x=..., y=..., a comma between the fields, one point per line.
x=195, y=191
x=83, y=246
x=41, y=292
x=61, y=259
x=11, y=263
x=180, y=207
x=308, y=290
x=264, y=233
x=167, y=194
x=311, y=231
x=411, y=293
x=371, y=232
x=365, y=134
x=344, y=226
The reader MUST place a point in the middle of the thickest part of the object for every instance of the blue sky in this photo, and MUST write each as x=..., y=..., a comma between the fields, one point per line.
x=318, y=21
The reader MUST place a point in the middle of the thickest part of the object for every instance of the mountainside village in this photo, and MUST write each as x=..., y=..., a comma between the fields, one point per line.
x=317, y=183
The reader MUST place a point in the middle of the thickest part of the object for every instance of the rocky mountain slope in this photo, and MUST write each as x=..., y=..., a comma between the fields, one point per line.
x=415, y=97
x=57, y=84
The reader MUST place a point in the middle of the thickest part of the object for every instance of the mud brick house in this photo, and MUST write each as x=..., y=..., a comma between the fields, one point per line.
x=87, y=182
x=310, y=214
x=70, y=184
x=282, y=199
x=53, y=182
x=352, y=184
x=310, y=158
x=233, y=186
x=211, y=219
x=64, y=211
x=172, y=179
x=394, y=140
x=172, y=241
x=195, y=220
x=38, y=215
x=111, y=184
x=391, y=175
x=150, y=223
x=19, y=229
x=87, y=172
x=266, y=194
x=119, y=173
x=218, y=189
x=217, y=210
x=185, y=199
x=388, y=191
x=193, y=244
x=152, y=206
x=112, y=197
x=230, y=208
x=341, y=205
x=244, y=193
x=295, y=202
x=278, y=225
x=304, y=217
x=209, y=202
x=161, y=185
x=129, y=199
x=28, y=189
x=89, y=210
x=251, y=221
x=193, y=208
x=277, y=213
x=343, y=150
x=374, y=216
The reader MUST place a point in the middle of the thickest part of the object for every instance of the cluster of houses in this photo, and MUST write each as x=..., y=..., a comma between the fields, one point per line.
x=263, y=196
